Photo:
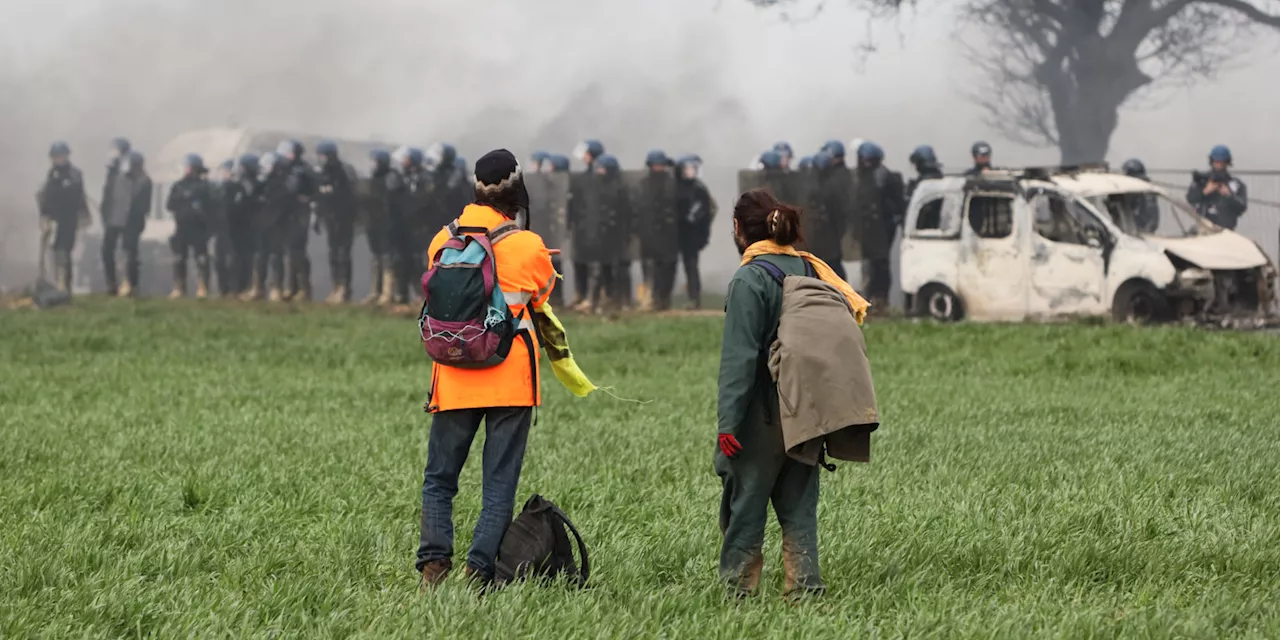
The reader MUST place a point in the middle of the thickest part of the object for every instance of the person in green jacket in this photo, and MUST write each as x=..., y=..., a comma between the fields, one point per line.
x=751, y=460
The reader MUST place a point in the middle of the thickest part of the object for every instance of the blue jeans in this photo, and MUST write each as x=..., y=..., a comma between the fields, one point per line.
x=506, y=434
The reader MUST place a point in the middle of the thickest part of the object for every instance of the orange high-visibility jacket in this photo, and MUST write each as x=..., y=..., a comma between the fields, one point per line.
x=526, y=278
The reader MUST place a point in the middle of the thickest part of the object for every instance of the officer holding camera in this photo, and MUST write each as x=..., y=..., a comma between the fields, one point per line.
x=1217, y=195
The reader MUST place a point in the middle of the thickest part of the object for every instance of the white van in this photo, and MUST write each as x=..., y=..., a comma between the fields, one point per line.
x=1039, y=244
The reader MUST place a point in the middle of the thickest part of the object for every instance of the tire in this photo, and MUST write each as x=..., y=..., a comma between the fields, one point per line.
x=940, y=303
x=1139, y=302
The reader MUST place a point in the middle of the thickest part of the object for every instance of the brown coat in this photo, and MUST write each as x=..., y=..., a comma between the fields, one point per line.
x=819, y=362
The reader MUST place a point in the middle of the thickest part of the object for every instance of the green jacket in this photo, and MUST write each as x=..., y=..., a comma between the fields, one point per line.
x=748, y=397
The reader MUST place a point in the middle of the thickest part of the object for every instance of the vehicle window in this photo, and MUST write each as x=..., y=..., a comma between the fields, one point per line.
x=1154, y=213
x=930, y=217
x=991, y=216
x=1059, y=219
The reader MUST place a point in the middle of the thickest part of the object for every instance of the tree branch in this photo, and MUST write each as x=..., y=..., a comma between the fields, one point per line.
x=1249, y=11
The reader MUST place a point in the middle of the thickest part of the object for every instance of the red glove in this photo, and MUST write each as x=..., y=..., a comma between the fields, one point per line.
x=729, y=446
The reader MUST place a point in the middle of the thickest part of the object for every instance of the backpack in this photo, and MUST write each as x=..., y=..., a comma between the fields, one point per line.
x=537, y=546
x=465, y=321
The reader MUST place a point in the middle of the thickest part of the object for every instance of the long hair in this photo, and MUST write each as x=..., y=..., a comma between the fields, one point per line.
x=760, y=217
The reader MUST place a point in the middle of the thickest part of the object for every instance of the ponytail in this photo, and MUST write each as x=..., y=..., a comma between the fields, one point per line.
x=761, y=217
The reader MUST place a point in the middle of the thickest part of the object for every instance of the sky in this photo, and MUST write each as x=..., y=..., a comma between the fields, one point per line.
x=716, y=77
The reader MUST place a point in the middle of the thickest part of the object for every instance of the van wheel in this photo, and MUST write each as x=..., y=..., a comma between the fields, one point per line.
x=940, y=303
x=1139, y=302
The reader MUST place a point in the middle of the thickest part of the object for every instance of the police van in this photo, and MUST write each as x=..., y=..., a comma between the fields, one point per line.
x=1042, y=244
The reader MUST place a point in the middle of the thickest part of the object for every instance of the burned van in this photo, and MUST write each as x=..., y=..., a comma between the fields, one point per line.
x=1041, y=244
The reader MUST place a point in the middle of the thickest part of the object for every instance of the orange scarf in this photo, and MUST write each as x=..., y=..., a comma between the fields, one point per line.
x=771, y=248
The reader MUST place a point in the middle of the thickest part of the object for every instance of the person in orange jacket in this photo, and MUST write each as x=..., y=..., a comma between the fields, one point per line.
x=502, y=396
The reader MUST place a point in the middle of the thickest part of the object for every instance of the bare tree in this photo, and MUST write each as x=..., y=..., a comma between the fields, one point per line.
x=1057, y=72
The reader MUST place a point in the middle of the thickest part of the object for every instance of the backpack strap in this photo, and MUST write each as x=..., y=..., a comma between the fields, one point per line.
x=585, y=572
x=502, y=231
x=770, y=268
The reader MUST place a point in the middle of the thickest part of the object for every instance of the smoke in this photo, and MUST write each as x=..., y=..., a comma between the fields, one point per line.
x=715, y=77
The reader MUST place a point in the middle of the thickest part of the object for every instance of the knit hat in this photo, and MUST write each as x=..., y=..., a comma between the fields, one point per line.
x=500, y=182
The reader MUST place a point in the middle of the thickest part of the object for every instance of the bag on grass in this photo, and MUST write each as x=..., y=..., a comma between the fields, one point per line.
x=465, y=321
x=537, y=546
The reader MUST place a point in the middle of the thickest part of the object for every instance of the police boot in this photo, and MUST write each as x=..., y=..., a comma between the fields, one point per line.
x=346, y=280
x=131, y=273
x=62, y=270
x=179, y=279
x=302, y=282
x=388, y=287
x=202, y=278
x=256, y=289
x=109, y=274
x=375, y=280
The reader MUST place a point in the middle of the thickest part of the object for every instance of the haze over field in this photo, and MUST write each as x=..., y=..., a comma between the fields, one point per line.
x=712, y=76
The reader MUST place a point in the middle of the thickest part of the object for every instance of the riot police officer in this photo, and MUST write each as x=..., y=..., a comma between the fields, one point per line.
x=223, y=189
x=62, y=203
x=657, y=226
x=420, y=212
x=588, y=151
x=538, y=162
x=1218, y=195
x=126, y=204
x=785, y=154
x=242, y=208
x=1145, y=207
x=336, y=209
x=557, y=164
x=832, y=211
x=277, y=202
x=927, y=167
x=696, y=210
x=981, y=153
x=879, y=206
x=777, y=178
x=450, y=190
x=601, y=231
x=299, y=181
x=114, y=208
x=191, y=203
x=378, y=225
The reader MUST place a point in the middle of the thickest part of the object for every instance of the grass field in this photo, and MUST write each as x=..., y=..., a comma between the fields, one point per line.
x=203, y=470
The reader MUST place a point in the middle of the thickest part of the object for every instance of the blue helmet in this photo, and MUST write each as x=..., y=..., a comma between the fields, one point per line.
x=193, y=162
x=59, y=148
x=460, y=163
x=771, y=160
x=380, y=157
x=870, y=151
x=1220, y=153
x=268, y=163
x=539, y=157
x=441, y=155
x=1134, y=167
x=590, y=147
x=806, y=163
x=608, y=163
x=980, y=148
x=823, y=159
x=248, y=164
x=657, y=157
x=121, y=145
x=922, y=155
x=227, y=164
x=408, y=155
x=834, y=148
x=559, y=163
x=783, y=149
x=327, y=148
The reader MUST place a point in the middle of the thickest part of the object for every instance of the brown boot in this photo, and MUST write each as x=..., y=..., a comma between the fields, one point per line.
x=126, y=289
x=434, y=573
x=275, y=295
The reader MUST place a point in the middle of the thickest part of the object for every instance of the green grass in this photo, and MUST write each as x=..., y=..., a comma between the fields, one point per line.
x=204, y=470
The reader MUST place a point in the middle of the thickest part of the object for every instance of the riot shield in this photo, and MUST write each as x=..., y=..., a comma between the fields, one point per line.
x=548, y=207
x=851, y=242
x=633, y=179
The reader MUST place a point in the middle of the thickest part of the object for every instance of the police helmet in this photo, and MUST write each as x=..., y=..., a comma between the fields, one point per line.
x=460, y=163
x=248, y=164
x=538, y=157
x=923, y=155
x=657, y=157
x=441, y=155
x=806, y=163
x=771, y=160
x=59, y=148
x=120, y=146
x=193, y=162
x=834, y=148
x=380, y=157
x=136, y=159
x=823, y=159
x=267, y=163
x=559, y=163
x=327, y=148
x=592, y=147
x=1134, y=167
x=870, y=151
x=1220, y=153
x=608, y=164
x=980, y=148
x=290, y=150
x=227, y=164
x=783, y=149
x=408, y=155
